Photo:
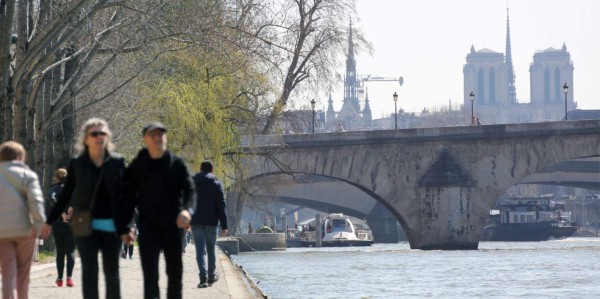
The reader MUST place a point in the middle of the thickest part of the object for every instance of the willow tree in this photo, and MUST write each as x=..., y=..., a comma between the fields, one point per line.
x=205, y=103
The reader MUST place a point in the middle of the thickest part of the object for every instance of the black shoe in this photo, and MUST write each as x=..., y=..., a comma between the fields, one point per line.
x=202, y=283
x=212, y=280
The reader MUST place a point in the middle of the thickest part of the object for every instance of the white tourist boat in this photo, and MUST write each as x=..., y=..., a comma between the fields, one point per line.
x=337, y=230
x=342, y=230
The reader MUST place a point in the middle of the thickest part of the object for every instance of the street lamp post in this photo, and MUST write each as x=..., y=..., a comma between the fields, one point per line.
x=472, y=96
x=395, y=110
x=312, y=104
x=566, y=90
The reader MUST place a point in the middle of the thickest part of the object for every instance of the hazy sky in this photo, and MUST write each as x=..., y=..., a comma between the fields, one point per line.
x=426, y=42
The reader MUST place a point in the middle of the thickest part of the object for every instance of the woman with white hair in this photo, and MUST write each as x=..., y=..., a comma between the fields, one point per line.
x=95, y=182
x=21, y=217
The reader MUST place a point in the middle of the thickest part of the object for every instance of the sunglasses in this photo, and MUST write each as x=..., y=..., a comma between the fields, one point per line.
x=97, y=133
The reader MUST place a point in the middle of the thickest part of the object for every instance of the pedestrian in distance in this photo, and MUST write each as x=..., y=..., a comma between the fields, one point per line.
x=160, y=186
x=211, y=210
x=127, y=250
x=94, y=187
x=21, y=218
x=61, y=231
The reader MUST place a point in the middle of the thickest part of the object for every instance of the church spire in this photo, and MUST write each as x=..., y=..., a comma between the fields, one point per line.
x=512, y=93
x=367, y=115
x=350, y=61
x=350, y=81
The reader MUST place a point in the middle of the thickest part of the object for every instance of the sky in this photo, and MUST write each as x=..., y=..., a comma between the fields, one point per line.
x=427, y=41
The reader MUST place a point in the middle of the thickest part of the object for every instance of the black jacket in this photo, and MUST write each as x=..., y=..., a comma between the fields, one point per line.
x=53, y=194
x=159, y=196
x=81, y=184
x=211, y=208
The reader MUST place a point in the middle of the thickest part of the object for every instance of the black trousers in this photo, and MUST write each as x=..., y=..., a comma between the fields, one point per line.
x=128, y=249
x=110, y=246
x=151, y=242
x=65, y=246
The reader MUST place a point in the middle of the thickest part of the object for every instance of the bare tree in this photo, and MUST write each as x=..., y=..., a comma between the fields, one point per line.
x=66, y=57
x=302, y=41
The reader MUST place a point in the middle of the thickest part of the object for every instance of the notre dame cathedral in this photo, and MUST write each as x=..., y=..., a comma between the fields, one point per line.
x=490, y=76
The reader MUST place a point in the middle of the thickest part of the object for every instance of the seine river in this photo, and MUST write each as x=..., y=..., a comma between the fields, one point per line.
x=568, y=268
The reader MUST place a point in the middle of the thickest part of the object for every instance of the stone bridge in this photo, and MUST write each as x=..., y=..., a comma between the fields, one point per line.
x=438, y=182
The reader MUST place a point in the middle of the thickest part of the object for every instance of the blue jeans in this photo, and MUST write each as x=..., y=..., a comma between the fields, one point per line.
x=205, y=239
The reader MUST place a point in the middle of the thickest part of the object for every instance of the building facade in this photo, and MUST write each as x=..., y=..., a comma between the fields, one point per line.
x=490, y=76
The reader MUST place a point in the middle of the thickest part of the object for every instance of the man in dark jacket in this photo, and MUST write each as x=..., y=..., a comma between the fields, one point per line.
x=160, y=186
x=211, y=211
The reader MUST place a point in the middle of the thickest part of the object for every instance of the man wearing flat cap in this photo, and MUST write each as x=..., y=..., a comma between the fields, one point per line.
x=160, y=186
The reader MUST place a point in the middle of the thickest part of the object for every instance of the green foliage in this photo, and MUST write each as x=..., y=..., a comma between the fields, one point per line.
x=45, y=256
x=204, y=102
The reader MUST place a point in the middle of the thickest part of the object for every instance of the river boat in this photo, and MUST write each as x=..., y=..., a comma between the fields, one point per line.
x=337, y=230
x=530, y=219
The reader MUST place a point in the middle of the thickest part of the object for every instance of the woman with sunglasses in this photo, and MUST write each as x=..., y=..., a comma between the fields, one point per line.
x=95, y=184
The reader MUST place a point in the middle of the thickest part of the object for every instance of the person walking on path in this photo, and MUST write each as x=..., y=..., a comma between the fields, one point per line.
x=128, y=246
x=160, y=186
x=21, y=218
x=211, y=210
x=95, y=182
x=61, y=232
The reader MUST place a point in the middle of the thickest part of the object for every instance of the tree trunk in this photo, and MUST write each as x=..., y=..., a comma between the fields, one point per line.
x=20, y=98
x=235, y=211
x=68, y=124
x=7, y=10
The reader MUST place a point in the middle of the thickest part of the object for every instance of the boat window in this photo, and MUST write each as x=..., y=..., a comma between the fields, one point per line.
x=339, y=225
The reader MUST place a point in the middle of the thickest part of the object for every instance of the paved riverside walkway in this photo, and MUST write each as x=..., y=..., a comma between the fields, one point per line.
x=231, y=284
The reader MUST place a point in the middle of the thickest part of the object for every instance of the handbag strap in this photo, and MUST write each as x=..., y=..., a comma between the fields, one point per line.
x=96, y=188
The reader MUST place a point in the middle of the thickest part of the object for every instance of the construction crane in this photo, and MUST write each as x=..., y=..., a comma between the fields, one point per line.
x=369, y=78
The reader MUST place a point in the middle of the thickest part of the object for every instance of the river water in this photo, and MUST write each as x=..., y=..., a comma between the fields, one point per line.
x=568, y=268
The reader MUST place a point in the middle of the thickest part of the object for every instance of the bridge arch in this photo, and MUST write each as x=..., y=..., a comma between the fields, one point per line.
x=441, y=182
x=341, y=196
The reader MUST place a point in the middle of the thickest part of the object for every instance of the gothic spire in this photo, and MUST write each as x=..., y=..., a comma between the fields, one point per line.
x=350, y=80
x=350, y=60
x=367, y=106
x=512, y=93
x=367, y=115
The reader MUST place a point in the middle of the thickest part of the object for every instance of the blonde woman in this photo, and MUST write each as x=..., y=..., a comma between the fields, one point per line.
x=21, y=217
x=95, y=182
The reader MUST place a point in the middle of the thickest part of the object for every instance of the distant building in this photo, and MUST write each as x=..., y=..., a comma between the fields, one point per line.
x=350, y=116
x=490, y=76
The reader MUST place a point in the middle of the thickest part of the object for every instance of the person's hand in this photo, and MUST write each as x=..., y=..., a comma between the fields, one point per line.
x=183, y=219
x=127, y=239
x=223, y=232
x=46, y=230
x=66, y=217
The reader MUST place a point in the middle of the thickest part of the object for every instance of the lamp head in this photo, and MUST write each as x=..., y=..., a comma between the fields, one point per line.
x=472, y=95
x=566, y=88
x=395, y=96
x=312, y=103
